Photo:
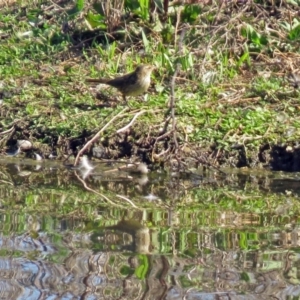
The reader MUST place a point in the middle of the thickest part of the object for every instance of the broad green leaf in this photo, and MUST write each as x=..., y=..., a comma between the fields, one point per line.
x=95, y=20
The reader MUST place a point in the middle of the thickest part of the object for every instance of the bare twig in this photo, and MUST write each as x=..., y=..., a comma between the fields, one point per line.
x=177, y=25
x=95, y=192
x=172, y=104
x=172, y=100
x=96, y=136
x=128, y=200
x=162, y=153
x=7, y=131
x=132, y=121
x=113, y=12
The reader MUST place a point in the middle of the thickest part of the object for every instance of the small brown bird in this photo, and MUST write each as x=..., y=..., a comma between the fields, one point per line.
x=132, y=84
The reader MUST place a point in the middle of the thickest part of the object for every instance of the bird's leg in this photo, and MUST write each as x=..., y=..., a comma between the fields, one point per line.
x=125, y=100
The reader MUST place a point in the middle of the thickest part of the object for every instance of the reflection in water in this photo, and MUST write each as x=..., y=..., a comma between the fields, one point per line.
x=137, y=239
x=131, y=259
x=197, y=237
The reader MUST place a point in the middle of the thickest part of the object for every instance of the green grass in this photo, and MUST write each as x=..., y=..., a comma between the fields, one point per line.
x=229, y=89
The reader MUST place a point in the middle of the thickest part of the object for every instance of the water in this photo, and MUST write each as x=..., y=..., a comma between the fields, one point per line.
x=109, y=234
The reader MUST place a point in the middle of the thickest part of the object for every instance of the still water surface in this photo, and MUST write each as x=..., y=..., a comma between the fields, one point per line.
x=109, y=234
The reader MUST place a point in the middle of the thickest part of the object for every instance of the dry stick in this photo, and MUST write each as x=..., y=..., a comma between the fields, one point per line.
x=176, y=28
x=173, y=106
x=91, y=190
x=132, y=121
x=96, y=136
x=99, y=132
x=126, y=199
x=172, y=102
x=103, y=196
x=7, y=131
x=162, y=153
x=157, y=140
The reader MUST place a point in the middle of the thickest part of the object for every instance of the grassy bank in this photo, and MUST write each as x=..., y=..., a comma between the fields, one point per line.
x=227, y=68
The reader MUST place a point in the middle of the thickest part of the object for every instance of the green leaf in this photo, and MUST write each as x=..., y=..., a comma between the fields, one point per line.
x=145, y=41
x=78, y=7
x=142, y=269
x=131, y=5
x=294, y=33
x=191, y=13
x=144, y=8
x=95, y=20
x=140, y=7
x=244, y=57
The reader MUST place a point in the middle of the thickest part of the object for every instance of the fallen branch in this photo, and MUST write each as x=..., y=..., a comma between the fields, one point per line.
x=91, y=190
x=7, y=131
x=132, y=121
x=96, y=136
x=126, y=199
x=177, y=69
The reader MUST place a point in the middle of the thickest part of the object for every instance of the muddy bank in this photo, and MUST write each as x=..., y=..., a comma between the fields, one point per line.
x=155, y=149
